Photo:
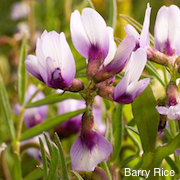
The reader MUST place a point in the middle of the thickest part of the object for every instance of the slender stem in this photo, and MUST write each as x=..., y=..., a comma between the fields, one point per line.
x=31, y=22
x=5, y=168
x=165, y=75
x=172, y=125
x=20, y=123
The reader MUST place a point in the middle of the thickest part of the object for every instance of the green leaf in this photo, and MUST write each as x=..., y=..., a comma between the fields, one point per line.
x=134, y=140
x=172, y=164
x=6, y=109
x=113, y=13
x=168, y=134
x=34, y=175
x=44, y=160
x=147, y=119
x=153, y=71
x=62, y=158
x=118, y=133
x=17, y=167
x=127, y=160
x=54, y=163
x=49, y=124
x=78, y=176
x=22, y=73
x=163, y=151
x=54, y=98
x=48, y=143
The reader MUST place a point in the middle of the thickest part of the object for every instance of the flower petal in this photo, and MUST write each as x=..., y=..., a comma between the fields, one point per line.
x=121, y=87
x=122, y=54
x=162, y=110
x=68, y=68
x=172, y=115
x=130, y=30
x=78, y=34
x=174, y=27
x=144, y=39
x=50, y=70
x=167, y=29
x=132, y=91
x=112, y=47
x=136, y=64
x=97, y=32
x=51, y=46
x=32, y=66
x=82, y=158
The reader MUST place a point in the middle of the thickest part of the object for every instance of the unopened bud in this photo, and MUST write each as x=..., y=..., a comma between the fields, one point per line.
x=106, y=92
x=99, y=174
x=172, y=94
x=76, y=86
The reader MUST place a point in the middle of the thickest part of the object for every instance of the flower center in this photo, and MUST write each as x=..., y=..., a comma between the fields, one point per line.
x=57, y=81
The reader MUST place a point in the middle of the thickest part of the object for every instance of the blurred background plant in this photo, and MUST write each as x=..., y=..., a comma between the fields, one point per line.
x=30, y=18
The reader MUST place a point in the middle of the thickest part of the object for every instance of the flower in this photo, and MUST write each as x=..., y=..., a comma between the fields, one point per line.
x=73, y=125
x=35, y=115
x=89, y=150
x=54, y=63
x=129, y=87
x=19, y=10
x=89, y=34
x=167, y=30
x=172, y=112
x=143, y=39
x=117, y=61
x=34, y=152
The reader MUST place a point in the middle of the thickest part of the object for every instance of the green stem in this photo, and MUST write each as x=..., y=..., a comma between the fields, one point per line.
x=113, y=13
x=20, y=123
x=172, y=125
x=165, y=75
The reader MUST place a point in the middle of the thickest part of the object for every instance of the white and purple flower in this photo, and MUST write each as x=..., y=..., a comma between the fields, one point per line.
x=129, y=87
x=116, y=59
x=89, y=150
x=54, y=63
x=172, y=112
x=35, y=115
x=167, y=30
x=89, y=34
x=142, y=40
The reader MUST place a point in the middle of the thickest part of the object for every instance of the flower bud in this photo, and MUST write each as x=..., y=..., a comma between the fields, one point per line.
x=172, y=94
x=76, y=86
x=106, y=92
x=99, y=174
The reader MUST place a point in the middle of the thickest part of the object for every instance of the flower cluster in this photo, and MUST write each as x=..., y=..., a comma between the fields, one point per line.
x=165, y=51
x=54, y=65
